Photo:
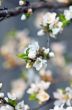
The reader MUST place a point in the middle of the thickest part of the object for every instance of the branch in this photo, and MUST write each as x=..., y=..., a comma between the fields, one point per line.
x=7, y=13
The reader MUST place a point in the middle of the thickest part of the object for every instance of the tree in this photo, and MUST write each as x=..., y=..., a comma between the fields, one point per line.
x=53, y=23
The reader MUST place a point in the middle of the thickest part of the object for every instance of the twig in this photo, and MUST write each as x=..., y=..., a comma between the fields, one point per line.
x=7, y=13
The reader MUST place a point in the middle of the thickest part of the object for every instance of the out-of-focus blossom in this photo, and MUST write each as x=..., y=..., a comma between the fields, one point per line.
x=18, y=88
x=38, y=19
x=59, y=61
x=12, y=46
x=46, y=75
x=63, y=1
x=21, y=2
x=58, y=48
x=68, y=13
x=6, y=107
x=68, y=71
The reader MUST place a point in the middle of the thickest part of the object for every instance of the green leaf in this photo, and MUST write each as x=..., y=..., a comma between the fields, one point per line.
x=24, y=55
x=12, y=102
x=63, y=20
x=33, y=97
x=28, y=15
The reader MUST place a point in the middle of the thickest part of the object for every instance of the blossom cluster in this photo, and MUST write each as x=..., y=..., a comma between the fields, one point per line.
x=53, y=23
x=35, y=56
x=10, y=102
x=37, y=91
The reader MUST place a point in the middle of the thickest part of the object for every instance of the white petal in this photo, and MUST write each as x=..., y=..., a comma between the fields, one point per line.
x=23, y=17
x=40, y=33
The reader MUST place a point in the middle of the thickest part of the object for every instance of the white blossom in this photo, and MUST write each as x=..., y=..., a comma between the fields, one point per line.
x=40, y=63
x=48, y=18
x=6, y=107
x=42, y=96
x=70, y=8
x=33, y=48
x=69, y=108
x=11, y=96
x=44, y=85
x=40, y=32
x=36, y=87
x=46, y=51
x=51, y=24
x=63, y=96
x=56, y=27
x=0, y=85
x=22, y=106
x=51, y=54
x=68, y=13
x=1, y=94
x=32, y=89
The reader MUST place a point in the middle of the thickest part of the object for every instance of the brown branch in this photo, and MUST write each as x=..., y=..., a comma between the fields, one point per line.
x=7, y=13
x=49, y=5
